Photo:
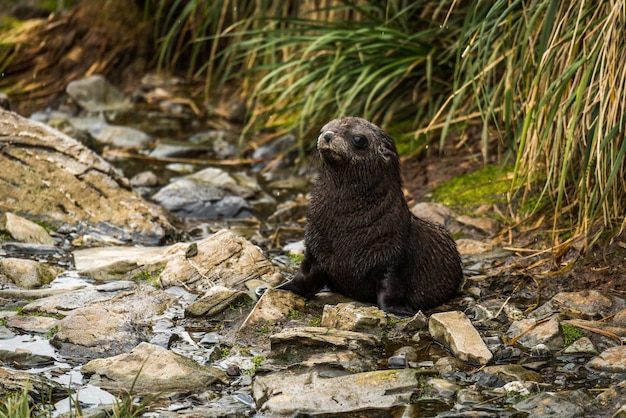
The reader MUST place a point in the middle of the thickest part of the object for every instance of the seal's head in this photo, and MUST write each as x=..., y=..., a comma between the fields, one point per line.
x=353, y=141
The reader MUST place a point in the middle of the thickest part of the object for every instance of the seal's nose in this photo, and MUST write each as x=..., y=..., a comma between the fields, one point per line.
x=328, y=135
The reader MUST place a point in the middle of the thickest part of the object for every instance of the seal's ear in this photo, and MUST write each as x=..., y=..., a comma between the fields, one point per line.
x=387, y=148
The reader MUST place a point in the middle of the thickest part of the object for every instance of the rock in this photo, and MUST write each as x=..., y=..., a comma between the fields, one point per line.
x=470, y=246
x=455, y=331
x=123, y=263
x=96, y=94
x=441, y=388
x=65, y=184
x=309, y=394
x=24, y=360
x=120, y=136
x=211, y=193
x=32, y=324
x=60, y=303
x=155, y=369
x=513, y=372
x=485, y=225
x=532, y=332
x=611, y=360
x=588, y=304
x=145, y=179
x=322, y=337
x=220, y=259
x=273, y=307
x=224, y=259
x=582, y=345
x=111, y=328
x=216, y=300
x=434, y=212
x=549, y=405
x=5, y=103
x=223, y=143
x=23, y=230
x=26, y=274
x=620, y=318
x=38, y=386
x=351, y=317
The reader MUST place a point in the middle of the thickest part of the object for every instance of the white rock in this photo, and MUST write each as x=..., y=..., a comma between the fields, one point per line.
x=455, y=331
x=23, y=230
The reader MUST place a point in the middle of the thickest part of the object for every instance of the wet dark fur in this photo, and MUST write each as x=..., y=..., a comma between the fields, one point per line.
x=361, y=240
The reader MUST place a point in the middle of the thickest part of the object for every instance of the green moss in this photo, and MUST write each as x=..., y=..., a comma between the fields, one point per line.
x=570, y=333
x=256, y=361
x=316, y=321
x=488, y=185
x=149, y=276
x=45, y=225
x=294, y=314
x=296, y=258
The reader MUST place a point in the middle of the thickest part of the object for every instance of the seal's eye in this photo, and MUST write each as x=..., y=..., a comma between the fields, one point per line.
x=359, y=141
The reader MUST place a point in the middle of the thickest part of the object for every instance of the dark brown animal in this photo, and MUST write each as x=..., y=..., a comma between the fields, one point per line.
x=361, y=240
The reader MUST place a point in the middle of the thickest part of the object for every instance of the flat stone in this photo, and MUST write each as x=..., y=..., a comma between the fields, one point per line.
x=455, y=331
x=434, y=212
x=350, y=317
x=324, y=337
x=26, y=274
x=23, y=230
x=224, y=258
x=216, y=300
x=273, y=307
x=96, y=94
x=291, y=394
x=552, y=405
x=582, y=345
x=535, y=332
x=587, y=304
x=113, y=327
x=150, y=368
x=32, y=324
x=612, y=360
x=211, y=193
x=513, y=372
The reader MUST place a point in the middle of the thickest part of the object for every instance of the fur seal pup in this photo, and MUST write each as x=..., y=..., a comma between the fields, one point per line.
x=361, y=239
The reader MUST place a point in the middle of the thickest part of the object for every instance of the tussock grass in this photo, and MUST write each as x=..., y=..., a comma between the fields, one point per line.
x=544, y=79
x=549, y=76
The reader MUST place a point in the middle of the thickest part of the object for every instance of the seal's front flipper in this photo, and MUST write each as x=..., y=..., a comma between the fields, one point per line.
x=308, y=280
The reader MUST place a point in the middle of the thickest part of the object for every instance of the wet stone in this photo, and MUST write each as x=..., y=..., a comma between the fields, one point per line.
x=455, y=331
x=441, y=388
x=546, y=404
x=513, y=372
x=24, y=360
x=612, y=360
x=209, y=194
x=23, y=230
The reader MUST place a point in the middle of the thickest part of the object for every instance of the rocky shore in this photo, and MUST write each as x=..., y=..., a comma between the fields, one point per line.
x=153, y=288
